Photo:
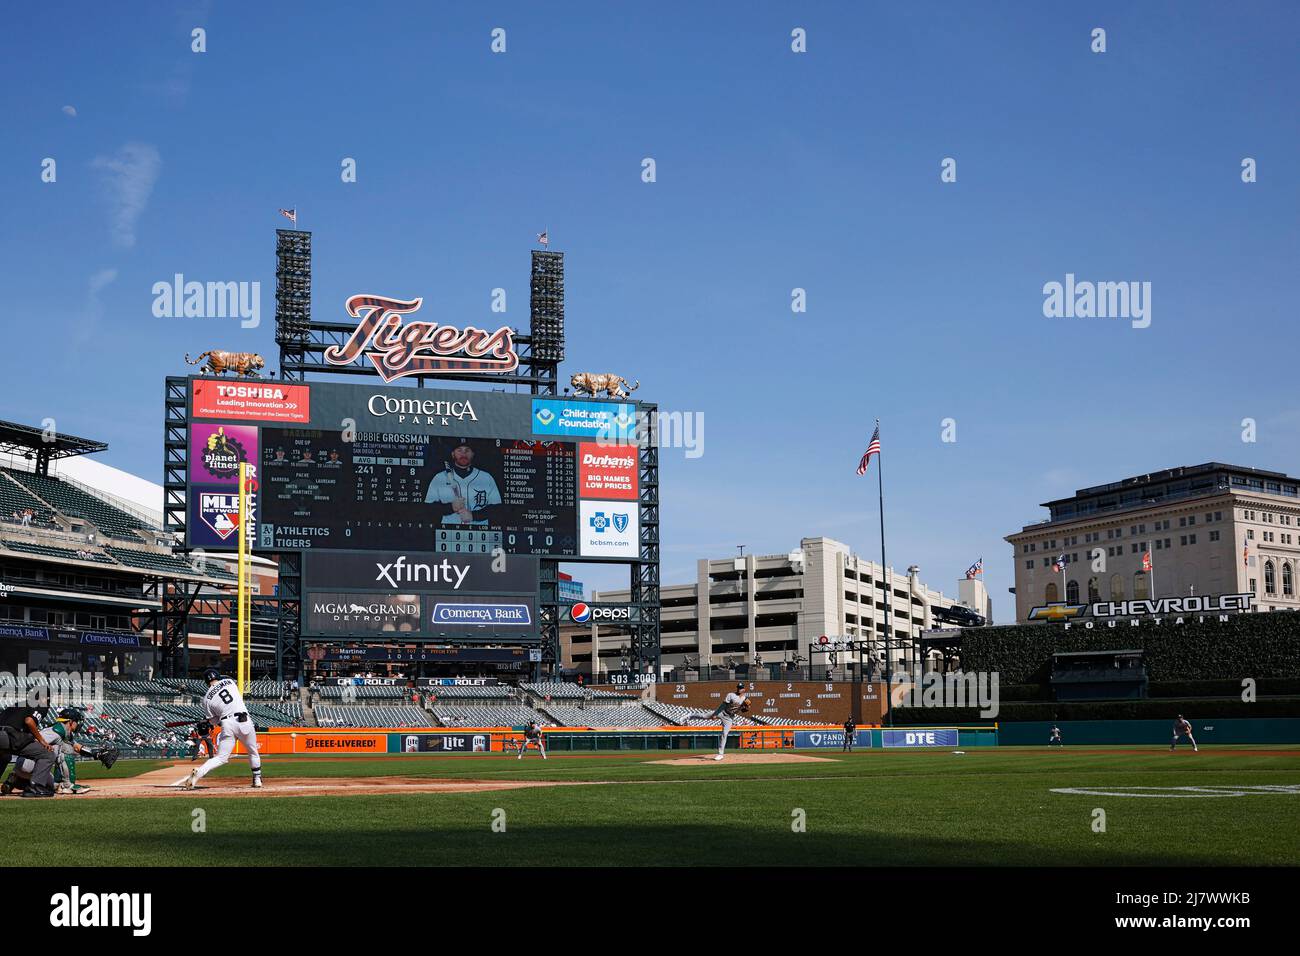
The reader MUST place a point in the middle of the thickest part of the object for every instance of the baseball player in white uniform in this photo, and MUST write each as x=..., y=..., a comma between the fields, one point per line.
x=1183, y=729
x=532, y=735
x=732, y=706
x=226, y=710
x=467, y=489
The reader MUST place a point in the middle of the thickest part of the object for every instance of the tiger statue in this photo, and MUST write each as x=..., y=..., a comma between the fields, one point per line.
x=219, y=363
x=594, y=383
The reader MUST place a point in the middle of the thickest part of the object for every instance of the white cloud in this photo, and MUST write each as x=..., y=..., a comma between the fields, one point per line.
x=129, y=177
x=83, y=328
x=70, y=110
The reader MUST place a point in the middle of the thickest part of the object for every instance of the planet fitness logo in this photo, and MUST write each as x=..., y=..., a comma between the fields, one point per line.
x=222, y=455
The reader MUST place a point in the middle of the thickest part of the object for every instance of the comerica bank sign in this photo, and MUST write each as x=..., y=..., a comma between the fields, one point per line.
x=1173, y=610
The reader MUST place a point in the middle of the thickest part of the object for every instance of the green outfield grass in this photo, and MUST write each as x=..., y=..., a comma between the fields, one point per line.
x=988, y=807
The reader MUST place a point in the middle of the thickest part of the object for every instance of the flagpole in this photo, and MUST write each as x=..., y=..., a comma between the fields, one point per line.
x=889, y=585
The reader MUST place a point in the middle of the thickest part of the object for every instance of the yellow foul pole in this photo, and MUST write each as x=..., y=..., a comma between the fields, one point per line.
x=241, y=613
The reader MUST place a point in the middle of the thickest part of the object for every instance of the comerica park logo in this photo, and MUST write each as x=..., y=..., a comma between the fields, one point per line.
x=583, y=613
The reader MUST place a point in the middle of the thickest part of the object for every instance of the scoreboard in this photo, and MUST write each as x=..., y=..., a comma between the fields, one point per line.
x=371, y=467
x=398, y=491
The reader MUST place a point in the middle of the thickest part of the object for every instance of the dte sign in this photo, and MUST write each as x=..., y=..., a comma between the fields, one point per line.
x=945, y=737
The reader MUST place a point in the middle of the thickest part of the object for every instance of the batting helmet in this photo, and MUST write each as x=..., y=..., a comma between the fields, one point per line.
x=211, y=674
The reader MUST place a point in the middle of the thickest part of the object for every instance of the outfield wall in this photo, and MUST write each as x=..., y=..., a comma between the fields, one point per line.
x=1228, y=730
x=382, y=741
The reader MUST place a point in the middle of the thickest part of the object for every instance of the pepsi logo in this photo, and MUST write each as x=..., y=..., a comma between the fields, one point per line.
x=582, y=613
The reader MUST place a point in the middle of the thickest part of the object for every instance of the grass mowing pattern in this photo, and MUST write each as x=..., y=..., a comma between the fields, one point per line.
x=874, y=808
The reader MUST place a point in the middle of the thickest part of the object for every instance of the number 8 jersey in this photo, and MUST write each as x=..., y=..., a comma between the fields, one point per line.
x=223, y=699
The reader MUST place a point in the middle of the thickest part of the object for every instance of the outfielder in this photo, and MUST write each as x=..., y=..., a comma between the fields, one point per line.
x=532, y=735
x=225, y=706
x=1183, y=729
x=733, y=705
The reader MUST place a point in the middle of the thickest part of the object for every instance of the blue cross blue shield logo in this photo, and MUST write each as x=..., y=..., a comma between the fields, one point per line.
x=600, y=522
x=620, y=523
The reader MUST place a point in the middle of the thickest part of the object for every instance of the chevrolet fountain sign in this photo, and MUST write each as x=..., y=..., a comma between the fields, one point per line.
x=1174, y=609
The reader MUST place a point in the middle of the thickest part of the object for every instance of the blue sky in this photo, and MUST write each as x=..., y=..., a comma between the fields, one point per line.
x=775, y=170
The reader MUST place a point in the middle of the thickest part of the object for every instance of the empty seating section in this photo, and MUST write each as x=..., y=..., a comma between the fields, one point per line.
x=164, y=563
x=568, y=715
x=471, y=692
x=362, y=692
x=486, y=715
x=266, y=689
x=563, y=690
x=71, y=500
x=15, y=499
x=347, y=715
x=64, y=554
x=141, y=687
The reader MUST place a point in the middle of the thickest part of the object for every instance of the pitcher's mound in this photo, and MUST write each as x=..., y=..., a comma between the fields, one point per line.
x=707, y=759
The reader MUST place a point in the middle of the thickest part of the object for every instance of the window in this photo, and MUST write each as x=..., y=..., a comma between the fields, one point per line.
x=1288, y=583
x=1214, y=536
x=1029, y=565
x=1191, y=539
x=1116, y=588
x=1141, y=587
x=1094, y=591
x=1250, y=534
x=1072, y=592
x=1051, y=594
x=1270, y=580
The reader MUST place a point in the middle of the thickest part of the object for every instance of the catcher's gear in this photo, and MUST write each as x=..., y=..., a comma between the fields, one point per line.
x=108, y=756
x=72, y=713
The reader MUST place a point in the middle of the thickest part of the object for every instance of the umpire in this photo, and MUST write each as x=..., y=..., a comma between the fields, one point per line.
x=849, y=728
x=20, y=736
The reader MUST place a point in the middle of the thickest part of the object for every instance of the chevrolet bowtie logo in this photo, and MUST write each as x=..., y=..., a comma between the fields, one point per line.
x=1057, y=612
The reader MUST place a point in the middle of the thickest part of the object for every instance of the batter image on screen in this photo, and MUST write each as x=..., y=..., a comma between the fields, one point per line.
x=469, y=493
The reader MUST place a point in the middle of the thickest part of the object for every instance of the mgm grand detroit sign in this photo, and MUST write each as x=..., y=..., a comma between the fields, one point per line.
x=1170, y=610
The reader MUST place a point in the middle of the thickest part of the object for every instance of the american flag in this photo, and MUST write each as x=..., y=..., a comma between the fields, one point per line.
x=543, y=238
x=872, y=449
x=975, y=569
x=1060, y=563
x=290, y=214
x=1146, y=561
x=1245, y=553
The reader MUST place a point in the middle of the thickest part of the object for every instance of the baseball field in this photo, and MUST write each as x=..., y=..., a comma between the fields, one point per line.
x=1010, y=806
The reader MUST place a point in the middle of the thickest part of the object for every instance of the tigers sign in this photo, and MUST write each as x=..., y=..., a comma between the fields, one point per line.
x=419, y=348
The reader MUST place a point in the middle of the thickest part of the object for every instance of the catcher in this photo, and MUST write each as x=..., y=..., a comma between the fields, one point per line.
x=61, y=737
x=735, y=704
